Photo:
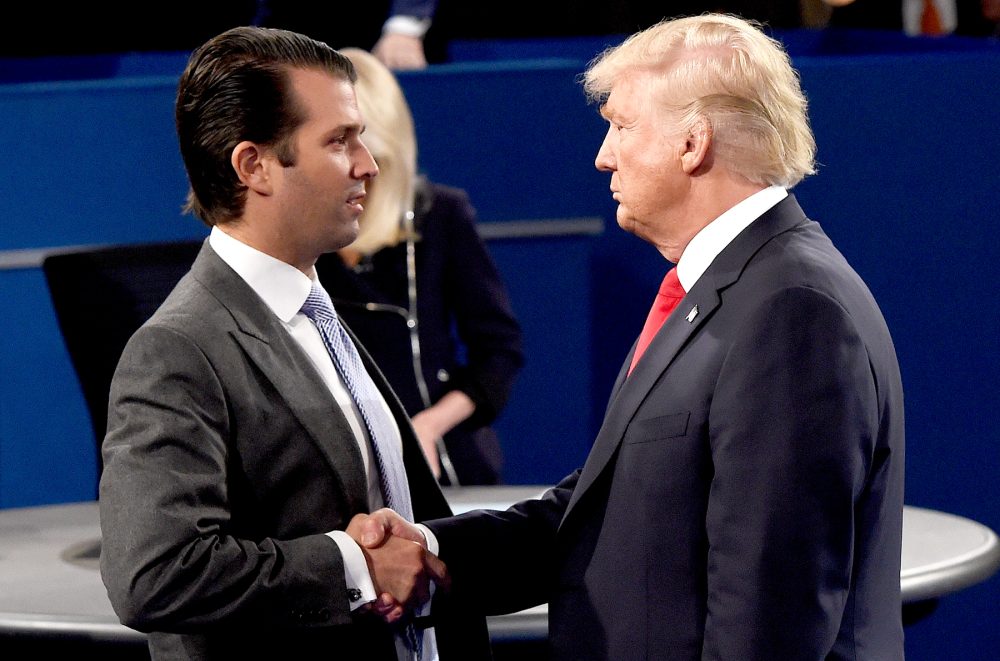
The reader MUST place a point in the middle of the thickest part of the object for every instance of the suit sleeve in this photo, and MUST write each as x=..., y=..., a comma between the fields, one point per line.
x=169, y=559
x=792, y=432
x=504, y=561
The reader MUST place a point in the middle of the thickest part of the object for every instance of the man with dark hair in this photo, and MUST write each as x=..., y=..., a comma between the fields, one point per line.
x=246, y=426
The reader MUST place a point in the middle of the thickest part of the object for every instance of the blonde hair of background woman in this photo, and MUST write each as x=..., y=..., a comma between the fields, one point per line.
x=390, y=137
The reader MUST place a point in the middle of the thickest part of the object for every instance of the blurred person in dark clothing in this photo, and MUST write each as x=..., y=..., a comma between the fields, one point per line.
x=419, y=288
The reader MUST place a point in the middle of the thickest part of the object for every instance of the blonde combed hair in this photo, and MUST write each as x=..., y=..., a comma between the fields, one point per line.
x=390, y=136
x=722, y=69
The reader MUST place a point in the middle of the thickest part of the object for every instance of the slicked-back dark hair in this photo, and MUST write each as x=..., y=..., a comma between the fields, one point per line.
x=236, y=87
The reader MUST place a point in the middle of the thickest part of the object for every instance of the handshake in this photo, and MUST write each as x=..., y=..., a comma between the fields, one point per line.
x=400, y=565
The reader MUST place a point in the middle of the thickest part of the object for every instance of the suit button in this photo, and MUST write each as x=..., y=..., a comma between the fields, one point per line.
x=324, y=614
x=443, y=375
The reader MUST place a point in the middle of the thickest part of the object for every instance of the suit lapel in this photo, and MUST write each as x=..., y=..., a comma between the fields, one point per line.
x=266, y=342
x=691, y=315
x=672, y=336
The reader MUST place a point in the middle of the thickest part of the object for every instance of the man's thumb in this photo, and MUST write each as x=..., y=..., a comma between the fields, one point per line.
x=372, y=531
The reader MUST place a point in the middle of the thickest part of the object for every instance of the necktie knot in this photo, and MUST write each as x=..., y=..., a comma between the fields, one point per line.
x=670, y=288
x=318, y=307
x=667, y=298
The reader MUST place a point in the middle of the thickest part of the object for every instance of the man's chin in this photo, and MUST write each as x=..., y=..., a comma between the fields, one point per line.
x=627, y=223
x=338, y=244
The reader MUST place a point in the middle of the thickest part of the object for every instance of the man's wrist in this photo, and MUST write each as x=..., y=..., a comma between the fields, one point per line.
x=432, y=542
x=360, y=587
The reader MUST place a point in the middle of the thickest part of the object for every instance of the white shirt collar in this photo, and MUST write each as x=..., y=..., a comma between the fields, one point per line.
x=706, y=245
x=281, y=286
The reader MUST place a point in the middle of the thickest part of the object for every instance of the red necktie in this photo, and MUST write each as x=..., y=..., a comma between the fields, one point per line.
x=930, y=22
x=667, y=298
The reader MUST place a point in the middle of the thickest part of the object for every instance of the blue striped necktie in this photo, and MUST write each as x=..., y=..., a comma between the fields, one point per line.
x=347, y=360
x=366, y=396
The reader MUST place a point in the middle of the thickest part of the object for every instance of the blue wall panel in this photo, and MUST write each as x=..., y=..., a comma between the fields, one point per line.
x=90, y=162
x=544, y=435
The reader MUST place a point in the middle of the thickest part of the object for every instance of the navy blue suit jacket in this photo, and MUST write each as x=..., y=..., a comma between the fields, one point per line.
x=743, y=498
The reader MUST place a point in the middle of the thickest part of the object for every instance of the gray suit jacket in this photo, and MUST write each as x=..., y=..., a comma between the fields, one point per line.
x=744, y=496
x=225, y=463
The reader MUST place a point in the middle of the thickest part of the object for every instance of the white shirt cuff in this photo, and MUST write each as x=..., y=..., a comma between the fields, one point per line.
x=359, y=580
x=432, y=547
x=409, y=26
x=432, y=542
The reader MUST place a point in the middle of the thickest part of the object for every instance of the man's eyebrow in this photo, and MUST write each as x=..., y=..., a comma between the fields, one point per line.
x=349, y=127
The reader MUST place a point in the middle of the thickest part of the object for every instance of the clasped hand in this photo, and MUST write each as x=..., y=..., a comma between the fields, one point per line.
x=401, y=567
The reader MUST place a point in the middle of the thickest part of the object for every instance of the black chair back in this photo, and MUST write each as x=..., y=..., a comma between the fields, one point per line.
x=101, y=297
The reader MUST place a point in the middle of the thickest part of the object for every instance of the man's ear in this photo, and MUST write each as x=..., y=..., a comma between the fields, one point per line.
x=252, y=167
x=698, y=146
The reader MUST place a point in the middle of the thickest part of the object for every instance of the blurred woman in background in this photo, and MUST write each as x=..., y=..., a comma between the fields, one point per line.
x=422, y=293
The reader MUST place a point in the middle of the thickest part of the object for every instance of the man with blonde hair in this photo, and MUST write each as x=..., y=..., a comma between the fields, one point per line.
x=743, y=499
